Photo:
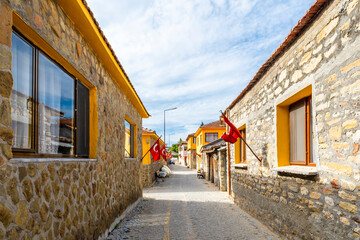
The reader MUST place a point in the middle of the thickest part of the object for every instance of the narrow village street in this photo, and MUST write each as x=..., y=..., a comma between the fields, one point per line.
x=184, y=207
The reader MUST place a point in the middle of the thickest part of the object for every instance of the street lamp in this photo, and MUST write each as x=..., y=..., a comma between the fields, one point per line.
x=164, y=121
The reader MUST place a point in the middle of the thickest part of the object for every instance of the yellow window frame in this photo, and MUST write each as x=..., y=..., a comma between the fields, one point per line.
x=29, y=33
x=240, y=145
x=283, y=125
x=129, y=120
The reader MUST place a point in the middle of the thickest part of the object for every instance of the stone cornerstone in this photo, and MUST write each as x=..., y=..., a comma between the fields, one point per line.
x=65, y=199
x=322, y=201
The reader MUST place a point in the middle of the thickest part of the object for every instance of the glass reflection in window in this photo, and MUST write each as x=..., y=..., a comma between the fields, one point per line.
x=56, y=109
x=22, y=93
x=129, y=139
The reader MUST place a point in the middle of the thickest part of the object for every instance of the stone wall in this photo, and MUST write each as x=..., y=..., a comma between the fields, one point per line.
x=219, y=171
x=65, y=200
x=327, y=57
x=222, y=170
x=149, y=170
x=191, y=159
x=146, y=177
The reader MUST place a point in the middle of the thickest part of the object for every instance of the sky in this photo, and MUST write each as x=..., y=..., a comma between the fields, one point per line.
x=196, y=55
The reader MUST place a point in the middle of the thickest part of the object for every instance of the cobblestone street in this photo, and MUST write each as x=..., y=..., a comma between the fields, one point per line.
x=184, y=207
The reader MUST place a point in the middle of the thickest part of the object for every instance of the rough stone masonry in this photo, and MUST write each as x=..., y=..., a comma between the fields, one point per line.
x=65, y=200
x=325, y=56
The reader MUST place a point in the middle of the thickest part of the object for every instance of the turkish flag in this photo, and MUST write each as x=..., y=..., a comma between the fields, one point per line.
x=233, y=134
x=155, y=150
x=163, y=152
x=169, y=155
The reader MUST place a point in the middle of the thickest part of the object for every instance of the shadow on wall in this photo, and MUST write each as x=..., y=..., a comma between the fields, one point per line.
x=264, y=153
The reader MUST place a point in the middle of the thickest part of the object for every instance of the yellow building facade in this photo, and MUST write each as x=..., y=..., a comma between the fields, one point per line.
x=191, y=143
x=149, y=167
x=148, y=139
x=191, y=150
x=205, y=134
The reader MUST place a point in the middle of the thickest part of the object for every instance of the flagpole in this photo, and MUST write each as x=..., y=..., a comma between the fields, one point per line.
x=245, y=142
x=150, y=148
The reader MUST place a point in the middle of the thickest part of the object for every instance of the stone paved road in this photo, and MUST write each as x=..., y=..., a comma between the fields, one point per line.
x=184, y=207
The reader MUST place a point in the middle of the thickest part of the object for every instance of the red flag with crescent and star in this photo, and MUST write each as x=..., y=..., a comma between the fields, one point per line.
x=163, y=152
x=234, y=133
x=155, y=151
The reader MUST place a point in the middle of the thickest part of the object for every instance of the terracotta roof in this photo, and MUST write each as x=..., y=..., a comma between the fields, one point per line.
x=215, y=124
x=111, y=49
x=190, y=135
x=147, y=130
x=294, y=34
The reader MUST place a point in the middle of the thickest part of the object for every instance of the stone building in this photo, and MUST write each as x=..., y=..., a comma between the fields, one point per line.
x=300, y=113
x=215, y=166
x=149, y=167
x=191, y=150
x=70, y=124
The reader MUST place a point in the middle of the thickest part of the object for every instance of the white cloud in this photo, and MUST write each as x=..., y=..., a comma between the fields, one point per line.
x=197, y=55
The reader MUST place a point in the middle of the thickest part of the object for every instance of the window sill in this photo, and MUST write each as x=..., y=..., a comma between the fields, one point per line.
x=43, y=160
x=297, y=170
x=131, y=159
x=240, y=166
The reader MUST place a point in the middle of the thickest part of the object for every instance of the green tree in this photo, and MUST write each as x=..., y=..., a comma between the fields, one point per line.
x=174, y=148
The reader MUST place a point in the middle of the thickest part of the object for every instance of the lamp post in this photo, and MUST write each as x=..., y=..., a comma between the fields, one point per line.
x=164, y=121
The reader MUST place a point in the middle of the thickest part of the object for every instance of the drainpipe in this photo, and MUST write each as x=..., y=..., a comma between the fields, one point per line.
x=228, y=156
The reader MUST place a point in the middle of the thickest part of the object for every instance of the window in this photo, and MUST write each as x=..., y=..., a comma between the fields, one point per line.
x=210, y=137
x=50, y=108
x=129, y=140
x=194, y=139
x=240, y=148
x=300, y=132
x=294, y=135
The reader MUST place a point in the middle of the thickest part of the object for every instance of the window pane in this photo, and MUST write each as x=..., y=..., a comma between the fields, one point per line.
x=210, y=137
x=82, y=130
x=22, y=97
x=56, y=109
x=129, y=139
x=297, y=132
x=194, y=140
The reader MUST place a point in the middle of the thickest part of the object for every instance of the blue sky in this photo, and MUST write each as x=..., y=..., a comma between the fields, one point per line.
x=196, y=55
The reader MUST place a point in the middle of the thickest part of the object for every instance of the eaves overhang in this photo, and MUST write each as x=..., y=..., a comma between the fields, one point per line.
x=294, y=34
x=83, y=19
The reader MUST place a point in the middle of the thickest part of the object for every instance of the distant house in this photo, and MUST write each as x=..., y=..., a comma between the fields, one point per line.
x=191, y=151
x=205, y=134
x=149, y=167
x=301, y=114
x=215, y=164
x=70, y=124
x=183, y=154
